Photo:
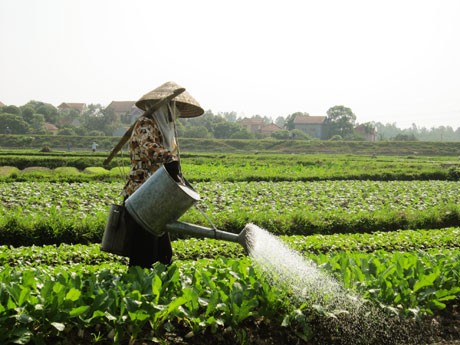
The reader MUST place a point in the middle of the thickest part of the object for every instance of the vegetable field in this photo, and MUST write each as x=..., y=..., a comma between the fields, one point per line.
x=393, y=242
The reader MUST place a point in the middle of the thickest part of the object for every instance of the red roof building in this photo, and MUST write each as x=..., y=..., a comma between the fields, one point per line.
x=49, y=127
x=253, y=124
x=311, y=125
x=80, y=107
x=368, y=132
x=267, y=130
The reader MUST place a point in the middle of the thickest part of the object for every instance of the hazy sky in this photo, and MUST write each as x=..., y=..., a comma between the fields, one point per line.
x=393, y=61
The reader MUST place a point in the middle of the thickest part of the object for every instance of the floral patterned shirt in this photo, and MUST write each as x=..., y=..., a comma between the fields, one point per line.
x=147, y=153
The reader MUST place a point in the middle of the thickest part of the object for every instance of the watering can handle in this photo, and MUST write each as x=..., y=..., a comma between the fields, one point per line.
x=207, y=218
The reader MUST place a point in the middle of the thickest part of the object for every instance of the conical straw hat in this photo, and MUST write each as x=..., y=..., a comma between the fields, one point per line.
x=186, y=104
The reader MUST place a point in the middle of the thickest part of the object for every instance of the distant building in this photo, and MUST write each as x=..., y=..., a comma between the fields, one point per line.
x=257, y=125
x=50, y=128
x=368, y=132
x=312, y=125
x=267, y=130
x=253, y=124
x=80, y=107
x=125, y=111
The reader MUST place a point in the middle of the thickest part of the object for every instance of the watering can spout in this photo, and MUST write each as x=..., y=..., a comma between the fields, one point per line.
x=183, y=228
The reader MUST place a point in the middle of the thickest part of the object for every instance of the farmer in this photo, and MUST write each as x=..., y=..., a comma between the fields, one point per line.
x=153, y=143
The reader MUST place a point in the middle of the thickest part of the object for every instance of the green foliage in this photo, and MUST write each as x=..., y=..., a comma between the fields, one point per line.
x=225, y=130
x=281, y=135
x=52, y=303
x=76, y=293
x=42, y=299
x=340, y=121
x=196, y=132
x=404, y=137
x=423, y=148
x=258, y=167
x=12, y=124
x=11, y=109
x=66, y=132
x=336, y=137
x=49, y=112
x=420, y=282
x=286, y=208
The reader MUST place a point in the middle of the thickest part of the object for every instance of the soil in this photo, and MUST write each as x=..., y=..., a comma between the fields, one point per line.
x=442, y=329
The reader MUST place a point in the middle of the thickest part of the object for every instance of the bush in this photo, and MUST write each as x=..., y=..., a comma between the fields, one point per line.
x=66, y=131
x=95, y=133
x=45, y=148
x=454, y=174
x=284, y=134
x=243, y=134
x=336, y=138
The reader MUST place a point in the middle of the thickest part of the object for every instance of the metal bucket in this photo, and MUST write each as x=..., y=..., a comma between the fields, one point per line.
x=159, y=201
x=116, y=238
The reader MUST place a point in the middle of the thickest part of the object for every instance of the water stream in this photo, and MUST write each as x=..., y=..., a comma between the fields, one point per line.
x=355, y=320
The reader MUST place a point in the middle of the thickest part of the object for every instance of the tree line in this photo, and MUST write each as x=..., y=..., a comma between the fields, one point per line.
x=97, y=120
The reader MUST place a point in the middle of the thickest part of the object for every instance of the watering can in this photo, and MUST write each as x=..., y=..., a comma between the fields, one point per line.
x=161, y=200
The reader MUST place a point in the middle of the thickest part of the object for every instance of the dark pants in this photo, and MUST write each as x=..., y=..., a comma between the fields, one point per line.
x=146, y=248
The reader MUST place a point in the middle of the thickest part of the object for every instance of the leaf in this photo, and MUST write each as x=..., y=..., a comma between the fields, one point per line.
x=79, y=310
x=24, y=318
x=444, y=295
x=139, y=315
x=425, y=281
x=23, y=336
x=435, y=304
x=10, y=304
x=73, y=295
x=156, y=288
x=59, y=326
x=25, y=292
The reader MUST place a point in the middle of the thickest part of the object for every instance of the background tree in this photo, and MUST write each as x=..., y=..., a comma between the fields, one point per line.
x=11, y=109
x=242, y=134
x=27, y=113
x=281, y=135
x=280, y=121
x=82, y=131
x=69, y=116
x=195, y=132
x=49, y=112
x=37, y=123
x=208, y=120
x=386, y=131
x=229, y=116
x=225, y=130
x=66, y=131
x=340, y=120
x=405, y=137
x=13, y=124
x=98, y=119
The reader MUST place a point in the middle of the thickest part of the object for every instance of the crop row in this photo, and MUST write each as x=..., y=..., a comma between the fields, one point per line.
x=107, y=301
x=77, y=212
x=225, y=197
x=194, y=248
x=238, y=167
